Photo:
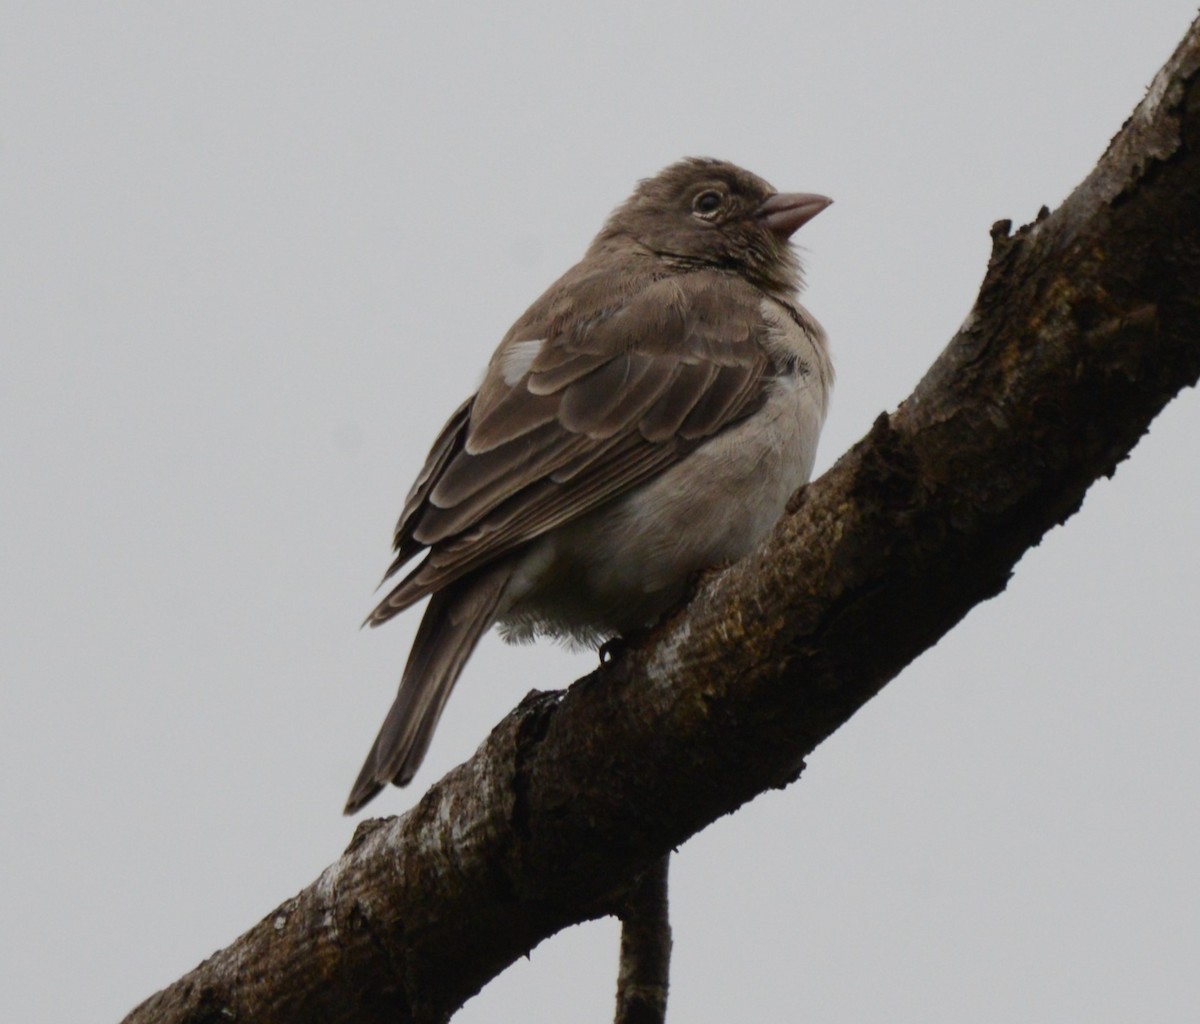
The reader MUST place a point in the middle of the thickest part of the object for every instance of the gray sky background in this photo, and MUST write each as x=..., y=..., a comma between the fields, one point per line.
x=252, y=255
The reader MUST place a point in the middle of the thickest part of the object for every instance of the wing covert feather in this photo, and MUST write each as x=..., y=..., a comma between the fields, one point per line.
x=614, y=396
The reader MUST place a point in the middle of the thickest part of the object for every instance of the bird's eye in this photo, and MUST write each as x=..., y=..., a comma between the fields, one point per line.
x=707, y=202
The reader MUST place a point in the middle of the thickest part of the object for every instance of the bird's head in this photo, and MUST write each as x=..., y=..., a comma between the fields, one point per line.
x=710, y=213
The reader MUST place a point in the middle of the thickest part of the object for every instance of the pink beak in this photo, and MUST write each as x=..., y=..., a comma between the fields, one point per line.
x=785, y=213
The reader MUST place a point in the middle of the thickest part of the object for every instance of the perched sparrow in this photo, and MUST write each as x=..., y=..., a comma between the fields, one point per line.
x=648, y=417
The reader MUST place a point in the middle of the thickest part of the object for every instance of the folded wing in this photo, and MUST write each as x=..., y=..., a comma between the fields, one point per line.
x=612, y=396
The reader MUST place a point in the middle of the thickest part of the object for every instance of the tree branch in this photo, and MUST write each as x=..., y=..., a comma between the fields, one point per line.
x=1087, y=324
x=643, y=977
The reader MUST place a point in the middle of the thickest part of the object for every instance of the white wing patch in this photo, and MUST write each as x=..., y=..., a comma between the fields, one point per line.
x=518, y=358
x=804, y=341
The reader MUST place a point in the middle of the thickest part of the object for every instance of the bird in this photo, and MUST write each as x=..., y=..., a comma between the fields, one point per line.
x=647, y=418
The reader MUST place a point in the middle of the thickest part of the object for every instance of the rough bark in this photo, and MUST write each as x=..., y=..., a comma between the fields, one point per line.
x=1087, y=324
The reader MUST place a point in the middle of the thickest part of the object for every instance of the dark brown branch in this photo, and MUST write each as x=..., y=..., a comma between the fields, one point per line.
x=1087, y=324
x=643, y=976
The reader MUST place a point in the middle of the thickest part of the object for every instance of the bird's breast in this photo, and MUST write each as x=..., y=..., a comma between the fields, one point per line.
x=622, y=565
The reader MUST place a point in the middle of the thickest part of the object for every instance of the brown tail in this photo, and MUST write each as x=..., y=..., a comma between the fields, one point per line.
x=453, y=623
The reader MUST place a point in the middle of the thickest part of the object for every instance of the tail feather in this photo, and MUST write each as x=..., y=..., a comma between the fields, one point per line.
x=453, y=623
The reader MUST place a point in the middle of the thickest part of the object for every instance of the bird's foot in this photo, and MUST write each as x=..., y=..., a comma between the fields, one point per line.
x=612, y=649
x=616, y=646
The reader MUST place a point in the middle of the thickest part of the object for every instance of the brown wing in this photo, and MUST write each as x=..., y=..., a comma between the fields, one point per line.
x=614, y=395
